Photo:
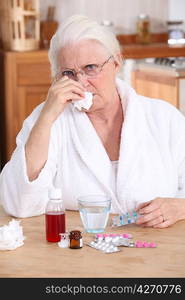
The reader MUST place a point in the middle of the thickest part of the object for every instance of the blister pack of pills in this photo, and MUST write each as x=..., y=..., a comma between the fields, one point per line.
x=104, y=247
x=144, y=244
x=109, y=243
x=124, y=219
x=114, y=239
x=112, y=236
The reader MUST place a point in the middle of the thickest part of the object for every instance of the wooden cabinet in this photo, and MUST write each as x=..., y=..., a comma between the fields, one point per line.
x=156, y=85
x=161, y=83
x=24, y=81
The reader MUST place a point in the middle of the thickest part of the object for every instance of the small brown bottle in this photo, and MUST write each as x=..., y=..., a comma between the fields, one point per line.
x=75, y=238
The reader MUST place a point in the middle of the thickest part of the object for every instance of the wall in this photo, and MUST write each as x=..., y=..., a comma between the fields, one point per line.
x=123, y=13
x=176, y=10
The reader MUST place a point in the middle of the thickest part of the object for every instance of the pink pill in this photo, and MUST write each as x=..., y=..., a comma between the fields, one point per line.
x=152, y=245
x=145, y=245
x=138, y=244
x=99, y=235
x=127, y=235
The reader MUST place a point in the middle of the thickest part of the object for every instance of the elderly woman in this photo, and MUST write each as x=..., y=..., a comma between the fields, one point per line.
x=127, y=146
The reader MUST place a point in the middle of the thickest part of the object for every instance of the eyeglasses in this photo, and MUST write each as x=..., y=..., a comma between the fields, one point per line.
x=90, y=70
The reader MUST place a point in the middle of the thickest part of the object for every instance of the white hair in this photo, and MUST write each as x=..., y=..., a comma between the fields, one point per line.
x=75, y=29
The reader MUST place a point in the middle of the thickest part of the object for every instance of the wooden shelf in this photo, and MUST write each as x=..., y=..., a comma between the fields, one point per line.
x=158, y=47
x=152, y=50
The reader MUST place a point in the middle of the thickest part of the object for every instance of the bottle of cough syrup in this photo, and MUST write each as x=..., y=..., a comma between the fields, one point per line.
x=55, y=216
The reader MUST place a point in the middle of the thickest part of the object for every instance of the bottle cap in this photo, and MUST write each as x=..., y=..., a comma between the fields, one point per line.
x=55, y=194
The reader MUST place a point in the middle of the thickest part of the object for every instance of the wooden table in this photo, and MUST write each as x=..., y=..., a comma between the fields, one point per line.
x=38, y=258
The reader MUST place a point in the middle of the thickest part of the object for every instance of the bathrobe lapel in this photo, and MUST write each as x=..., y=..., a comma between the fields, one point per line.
x=132, y=143
x=142, y=169
x=91, y=150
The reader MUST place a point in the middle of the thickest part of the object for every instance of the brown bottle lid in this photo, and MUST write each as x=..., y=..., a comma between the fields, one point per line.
x=75, y=234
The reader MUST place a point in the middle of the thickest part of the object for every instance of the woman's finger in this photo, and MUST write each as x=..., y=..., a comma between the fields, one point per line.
x=148, y=217
x=68, y=88
x=141, y=205
x=65, y=81
x=152, y=205
x=164, y=224
x=70, y=96
x=153, y=222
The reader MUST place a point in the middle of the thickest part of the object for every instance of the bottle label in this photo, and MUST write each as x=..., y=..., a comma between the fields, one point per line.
x=81, y=243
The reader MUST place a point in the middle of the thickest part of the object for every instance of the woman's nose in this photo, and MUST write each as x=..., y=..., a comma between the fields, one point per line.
x=82, y=79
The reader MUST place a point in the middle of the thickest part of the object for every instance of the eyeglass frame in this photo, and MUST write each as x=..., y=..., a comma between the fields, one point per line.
x=99, y=67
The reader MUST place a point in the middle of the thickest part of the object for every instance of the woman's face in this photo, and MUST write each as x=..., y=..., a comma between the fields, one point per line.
x=89, y=52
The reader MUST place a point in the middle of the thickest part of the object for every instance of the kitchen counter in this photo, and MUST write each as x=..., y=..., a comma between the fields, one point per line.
x=38, y=258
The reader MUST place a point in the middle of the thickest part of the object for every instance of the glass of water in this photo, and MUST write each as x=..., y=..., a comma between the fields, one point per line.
x=94, y=212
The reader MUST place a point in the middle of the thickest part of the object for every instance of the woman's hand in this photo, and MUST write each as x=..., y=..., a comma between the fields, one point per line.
x=161, y=212
x=60, y=93
x=37, y=145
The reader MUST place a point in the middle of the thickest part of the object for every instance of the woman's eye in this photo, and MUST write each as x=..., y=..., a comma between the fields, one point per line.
x=68, y=73
x=91, y=67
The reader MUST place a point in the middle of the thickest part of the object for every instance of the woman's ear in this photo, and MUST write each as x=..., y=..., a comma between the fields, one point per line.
x=118, y=61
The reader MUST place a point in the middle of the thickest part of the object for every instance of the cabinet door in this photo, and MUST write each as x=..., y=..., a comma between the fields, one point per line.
x=156, y=85
x=28, y=97
x=26, y=82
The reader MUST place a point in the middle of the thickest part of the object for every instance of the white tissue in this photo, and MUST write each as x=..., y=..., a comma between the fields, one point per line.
x=84, y=103
x=11, y=236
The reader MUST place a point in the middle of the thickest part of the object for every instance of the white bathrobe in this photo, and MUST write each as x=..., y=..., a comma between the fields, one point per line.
x=151, y=159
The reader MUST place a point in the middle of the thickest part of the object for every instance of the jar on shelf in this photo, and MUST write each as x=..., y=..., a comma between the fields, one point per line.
x=108, y=24
x=143, y=35
x=175, y=32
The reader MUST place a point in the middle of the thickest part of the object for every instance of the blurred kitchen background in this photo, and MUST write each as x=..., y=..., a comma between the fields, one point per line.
x=151, y=34
x=123, y=13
